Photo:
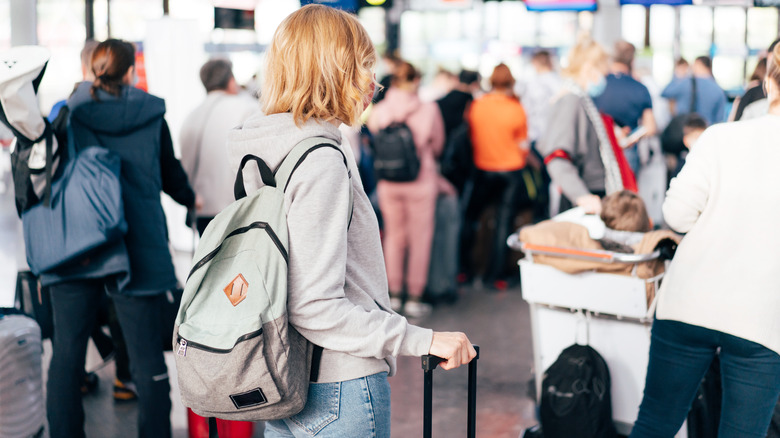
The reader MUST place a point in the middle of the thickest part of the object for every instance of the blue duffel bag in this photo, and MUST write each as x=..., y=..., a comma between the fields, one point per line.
x=85, y=212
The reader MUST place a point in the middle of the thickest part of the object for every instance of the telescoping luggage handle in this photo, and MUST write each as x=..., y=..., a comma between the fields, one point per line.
x=429, y=363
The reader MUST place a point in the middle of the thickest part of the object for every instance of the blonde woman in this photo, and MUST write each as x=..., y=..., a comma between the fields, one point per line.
x=319, y=75
x=576, y=145
x=720, y=293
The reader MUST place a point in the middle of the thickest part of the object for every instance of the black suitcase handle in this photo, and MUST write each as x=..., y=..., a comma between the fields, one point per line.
x=429, y=363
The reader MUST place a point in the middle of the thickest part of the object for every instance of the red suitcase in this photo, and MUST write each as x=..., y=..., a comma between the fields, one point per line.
x=199, y=427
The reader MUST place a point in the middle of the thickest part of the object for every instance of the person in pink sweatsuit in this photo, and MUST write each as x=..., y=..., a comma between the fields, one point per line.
x=408, y=208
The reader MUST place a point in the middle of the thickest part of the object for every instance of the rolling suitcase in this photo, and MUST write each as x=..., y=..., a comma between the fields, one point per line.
x=21, y=383
x=201, y=427
x=429, y=363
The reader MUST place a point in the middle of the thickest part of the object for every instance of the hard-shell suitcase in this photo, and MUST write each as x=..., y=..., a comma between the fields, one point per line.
x=202, y=427
x=429, y=363
x=21, y=385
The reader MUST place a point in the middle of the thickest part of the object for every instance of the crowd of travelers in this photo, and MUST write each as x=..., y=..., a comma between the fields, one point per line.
x=494, y=153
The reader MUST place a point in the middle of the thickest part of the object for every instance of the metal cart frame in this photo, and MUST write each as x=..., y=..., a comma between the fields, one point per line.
x=605, y=310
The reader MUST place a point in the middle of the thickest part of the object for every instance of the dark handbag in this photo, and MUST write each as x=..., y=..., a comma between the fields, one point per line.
x=35, y=301
x=672, y=137
x=86, y=210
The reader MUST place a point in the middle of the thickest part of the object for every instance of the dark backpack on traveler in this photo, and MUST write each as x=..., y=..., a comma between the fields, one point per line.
x=395, y=155
x=576, y=400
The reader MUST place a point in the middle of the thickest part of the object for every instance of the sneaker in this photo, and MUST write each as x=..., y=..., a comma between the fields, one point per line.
x=124, y=391
x=396, y=304
x=416, y=309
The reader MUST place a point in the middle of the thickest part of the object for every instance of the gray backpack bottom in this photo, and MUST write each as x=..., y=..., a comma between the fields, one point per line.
x=255, y=365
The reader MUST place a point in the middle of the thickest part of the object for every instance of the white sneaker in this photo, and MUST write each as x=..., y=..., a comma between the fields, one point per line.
x=396, y=304
x=416, y=309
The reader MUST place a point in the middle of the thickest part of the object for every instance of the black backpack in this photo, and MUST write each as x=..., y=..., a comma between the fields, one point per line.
x=672, y=135
x=395, y=155
x=576, y=400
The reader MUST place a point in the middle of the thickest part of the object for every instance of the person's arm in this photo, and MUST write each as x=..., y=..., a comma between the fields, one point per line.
x=648, y=118
x=558, y=146
x=317, y=305
x=174, y=179
x=437, y=134
x=689, y=191
x=521, y=130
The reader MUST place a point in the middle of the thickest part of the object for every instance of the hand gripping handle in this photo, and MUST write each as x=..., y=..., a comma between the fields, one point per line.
x=429, y=363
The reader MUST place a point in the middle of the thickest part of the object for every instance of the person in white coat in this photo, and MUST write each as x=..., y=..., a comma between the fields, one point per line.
x=204, y=137
x=721, y=293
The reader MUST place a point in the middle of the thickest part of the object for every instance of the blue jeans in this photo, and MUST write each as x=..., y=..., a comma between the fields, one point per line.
x=74, y=307
x=354, y=408
x=680, y=355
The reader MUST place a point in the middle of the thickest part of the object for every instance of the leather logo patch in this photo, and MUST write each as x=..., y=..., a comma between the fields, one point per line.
x=237, y=289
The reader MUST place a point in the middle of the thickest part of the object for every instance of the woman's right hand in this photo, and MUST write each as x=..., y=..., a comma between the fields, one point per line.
x=454, y=347
x=590, y=203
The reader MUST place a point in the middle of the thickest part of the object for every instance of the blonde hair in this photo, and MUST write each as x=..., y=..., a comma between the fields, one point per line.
x=773, y=70
x=625, y=211
x=319, y=65
x=586, y=52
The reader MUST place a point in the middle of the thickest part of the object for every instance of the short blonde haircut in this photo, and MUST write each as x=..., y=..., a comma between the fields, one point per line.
x=586, y=52
x=319, y=65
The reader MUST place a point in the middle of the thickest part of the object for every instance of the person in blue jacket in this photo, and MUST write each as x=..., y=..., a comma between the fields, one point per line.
x=112, y=113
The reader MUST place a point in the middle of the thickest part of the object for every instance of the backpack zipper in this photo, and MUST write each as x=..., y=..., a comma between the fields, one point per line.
x=183, y=344
x=254, y=225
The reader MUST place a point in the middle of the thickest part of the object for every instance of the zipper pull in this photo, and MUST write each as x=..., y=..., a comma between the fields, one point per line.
x=182, y=351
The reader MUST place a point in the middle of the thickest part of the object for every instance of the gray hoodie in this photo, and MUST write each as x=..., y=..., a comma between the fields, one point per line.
x=338, y=296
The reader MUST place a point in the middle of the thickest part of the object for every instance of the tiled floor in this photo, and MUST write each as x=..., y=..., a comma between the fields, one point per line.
x=498, y=322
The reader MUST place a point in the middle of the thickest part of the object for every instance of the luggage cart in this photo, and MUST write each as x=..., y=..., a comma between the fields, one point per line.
x=606, y=311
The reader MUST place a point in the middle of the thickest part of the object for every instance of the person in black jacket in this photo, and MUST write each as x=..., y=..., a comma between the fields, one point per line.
x=111, y=113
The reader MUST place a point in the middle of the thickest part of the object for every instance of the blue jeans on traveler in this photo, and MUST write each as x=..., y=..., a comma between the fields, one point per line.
x=680, y=355
x=75, y=306
x=353, y=408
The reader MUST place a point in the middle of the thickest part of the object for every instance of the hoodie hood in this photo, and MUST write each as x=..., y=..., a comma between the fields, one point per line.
x=272, y=137
x=397, y=106
x=114, y=115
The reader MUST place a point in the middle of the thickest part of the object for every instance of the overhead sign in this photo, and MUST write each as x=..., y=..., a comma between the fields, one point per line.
x=346, y=5
x=560, y=5
x=439, y=5
x=656, y=2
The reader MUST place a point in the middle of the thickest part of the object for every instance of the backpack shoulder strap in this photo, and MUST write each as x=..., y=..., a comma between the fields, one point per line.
x=299, y=153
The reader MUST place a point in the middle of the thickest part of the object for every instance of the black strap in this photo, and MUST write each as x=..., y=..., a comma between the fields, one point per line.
x=213, y=432
x=693, y=94
x=239, y=191
x=303, y=157
x=316, y=358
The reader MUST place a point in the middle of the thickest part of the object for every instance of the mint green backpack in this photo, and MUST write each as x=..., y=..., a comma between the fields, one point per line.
x=236, y=355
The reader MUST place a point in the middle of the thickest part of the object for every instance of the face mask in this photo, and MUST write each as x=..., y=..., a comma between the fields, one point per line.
x=597, y=89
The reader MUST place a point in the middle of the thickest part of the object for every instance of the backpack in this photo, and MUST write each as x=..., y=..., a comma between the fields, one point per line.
x=236, y=355
x=576, y=400
x=395, y=155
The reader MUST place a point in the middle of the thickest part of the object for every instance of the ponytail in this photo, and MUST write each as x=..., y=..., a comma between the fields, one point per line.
x=110, y=62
